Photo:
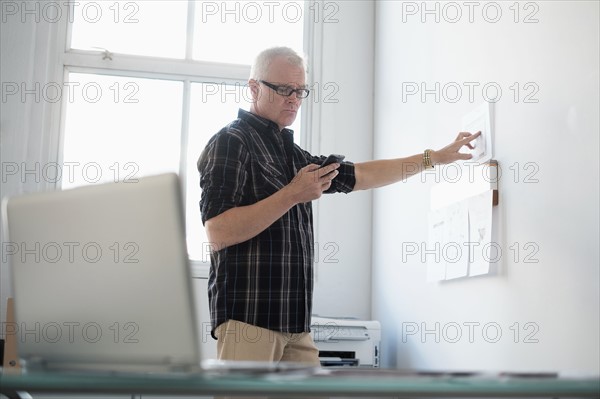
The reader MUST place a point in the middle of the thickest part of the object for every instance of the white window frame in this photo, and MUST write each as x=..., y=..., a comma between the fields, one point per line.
x=64, y=61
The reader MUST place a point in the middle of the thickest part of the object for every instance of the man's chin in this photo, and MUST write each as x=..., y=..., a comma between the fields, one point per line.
x=289, y=121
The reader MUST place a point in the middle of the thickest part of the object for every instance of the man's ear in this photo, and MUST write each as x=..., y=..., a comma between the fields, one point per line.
x=254, y=89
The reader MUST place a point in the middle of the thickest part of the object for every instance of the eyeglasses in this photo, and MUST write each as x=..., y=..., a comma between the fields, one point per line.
x=287, y=91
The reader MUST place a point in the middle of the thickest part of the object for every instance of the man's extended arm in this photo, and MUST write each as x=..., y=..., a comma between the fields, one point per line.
x=242, y=223
x=373, y=174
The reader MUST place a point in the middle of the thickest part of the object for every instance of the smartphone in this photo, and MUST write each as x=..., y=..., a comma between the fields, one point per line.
x=333, y=158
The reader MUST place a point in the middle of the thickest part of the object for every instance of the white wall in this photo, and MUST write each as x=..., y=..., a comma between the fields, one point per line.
x=558, y=214
x=343, y=271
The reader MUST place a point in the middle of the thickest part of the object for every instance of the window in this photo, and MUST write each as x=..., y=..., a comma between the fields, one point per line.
x=149, y=82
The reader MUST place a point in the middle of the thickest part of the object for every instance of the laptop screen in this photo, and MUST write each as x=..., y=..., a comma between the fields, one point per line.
x=101, y=277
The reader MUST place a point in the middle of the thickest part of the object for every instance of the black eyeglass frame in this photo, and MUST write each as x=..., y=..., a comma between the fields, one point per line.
x=286, y=91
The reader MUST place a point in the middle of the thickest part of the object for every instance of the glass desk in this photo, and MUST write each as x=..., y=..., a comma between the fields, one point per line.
x=328, y=383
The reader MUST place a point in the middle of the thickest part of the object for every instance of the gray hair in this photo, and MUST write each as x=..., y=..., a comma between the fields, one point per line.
x=260, y=68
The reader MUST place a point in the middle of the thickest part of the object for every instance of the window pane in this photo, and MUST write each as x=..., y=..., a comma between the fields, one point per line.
x=236, y=31
x=150, y=27
x=213, y=105
x=120, y=128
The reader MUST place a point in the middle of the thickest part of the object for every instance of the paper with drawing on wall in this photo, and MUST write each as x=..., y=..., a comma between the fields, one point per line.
x=480, y=233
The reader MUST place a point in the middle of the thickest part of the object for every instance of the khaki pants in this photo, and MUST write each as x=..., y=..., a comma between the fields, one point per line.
x=241, y=341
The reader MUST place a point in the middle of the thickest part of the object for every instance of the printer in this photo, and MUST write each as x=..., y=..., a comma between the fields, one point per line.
x=346, y=341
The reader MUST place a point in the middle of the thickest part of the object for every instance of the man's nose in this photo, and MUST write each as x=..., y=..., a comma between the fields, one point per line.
x=294, y=97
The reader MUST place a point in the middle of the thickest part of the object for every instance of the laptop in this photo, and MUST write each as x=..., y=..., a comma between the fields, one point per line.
x=101, y=279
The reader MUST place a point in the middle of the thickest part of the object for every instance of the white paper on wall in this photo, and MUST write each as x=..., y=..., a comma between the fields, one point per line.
x=480, y=120
x=460, y=237
x=454, y=250
x=436, y=267
x=480, y=233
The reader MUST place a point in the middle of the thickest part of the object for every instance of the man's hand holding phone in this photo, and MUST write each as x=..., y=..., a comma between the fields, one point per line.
x=333, y=158
x=311, y=181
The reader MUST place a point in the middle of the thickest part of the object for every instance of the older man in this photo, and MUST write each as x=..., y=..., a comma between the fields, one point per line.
x=257, y=188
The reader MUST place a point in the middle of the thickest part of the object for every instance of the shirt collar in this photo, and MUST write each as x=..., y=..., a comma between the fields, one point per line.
x=261, y=124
